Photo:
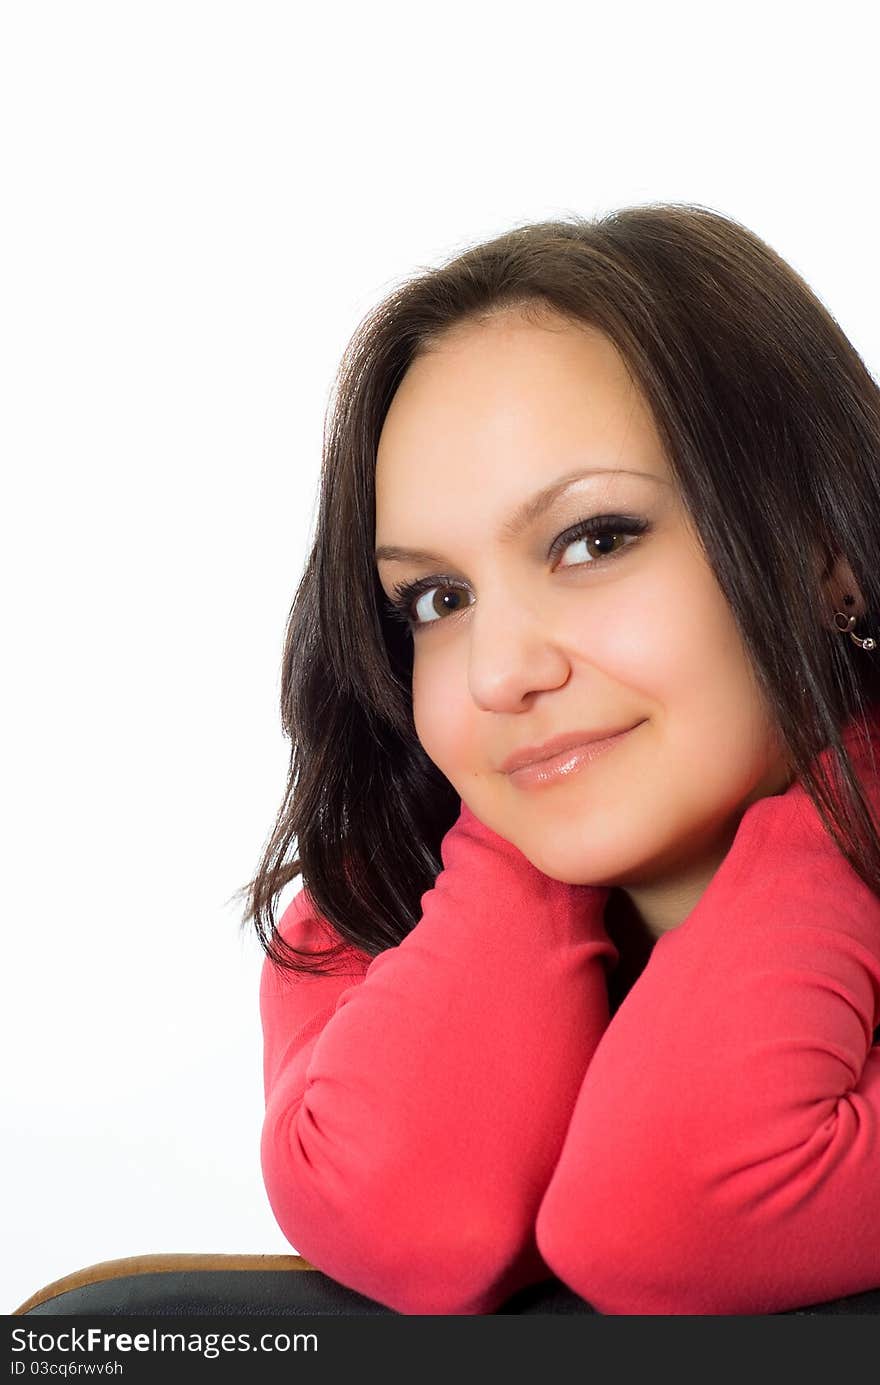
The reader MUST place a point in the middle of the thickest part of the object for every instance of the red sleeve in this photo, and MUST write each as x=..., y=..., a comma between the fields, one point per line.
x=414, y=1115
x=724, y=1152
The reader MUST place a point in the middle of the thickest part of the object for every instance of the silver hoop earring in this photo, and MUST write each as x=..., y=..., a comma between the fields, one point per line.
x=847, y=627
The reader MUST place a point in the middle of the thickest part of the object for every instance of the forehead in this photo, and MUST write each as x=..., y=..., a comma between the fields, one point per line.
x=503, y=407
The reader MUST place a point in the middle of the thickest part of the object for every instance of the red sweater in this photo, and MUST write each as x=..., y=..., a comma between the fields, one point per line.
x=443, y=1125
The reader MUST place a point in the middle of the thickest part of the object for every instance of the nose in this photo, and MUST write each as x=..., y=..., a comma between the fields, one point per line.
x=513, y=652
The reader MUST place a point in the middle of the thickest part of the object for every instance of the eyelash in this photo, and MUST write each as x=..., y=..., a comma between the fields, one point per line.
x=401, y=603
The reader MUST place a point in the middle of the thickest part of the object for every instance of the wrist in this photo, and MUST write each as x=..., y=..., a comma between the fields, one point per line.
x=471, y=838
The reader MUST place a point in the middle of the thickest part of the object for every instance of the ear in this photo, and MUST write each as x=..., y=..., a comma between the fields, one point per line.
x=842, y=591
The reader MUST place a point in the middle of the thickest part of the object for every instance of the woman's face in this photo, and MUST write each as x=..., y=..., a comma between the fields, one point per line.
x=519, y=644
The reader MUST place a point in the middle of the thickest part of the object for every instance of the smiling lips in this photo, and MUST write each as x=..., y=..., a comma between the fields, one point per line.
x=560, y=757
x=568, y=740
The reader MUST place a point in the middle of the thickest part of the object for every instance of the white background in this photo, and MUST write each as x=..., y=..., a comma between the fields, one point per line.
x=200, y=201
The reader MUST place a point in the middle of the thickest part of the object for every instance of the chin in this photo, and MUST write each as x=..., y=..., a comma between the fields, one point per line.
x=568, y=869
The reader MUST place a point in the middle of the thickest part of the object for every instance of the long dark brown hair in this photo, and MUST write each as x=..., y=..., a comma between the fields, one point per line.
x=770, y=421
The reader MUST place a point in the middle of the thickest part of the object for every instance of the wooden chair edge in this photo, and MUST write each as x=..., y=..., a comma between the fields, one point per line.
x=161, y=1263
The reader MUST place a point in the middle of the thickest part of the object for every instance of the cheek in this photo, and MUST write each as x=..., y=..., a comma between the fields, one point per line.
x=680, y=648
x=441, y=716
x=672, y=637
x=644, y=639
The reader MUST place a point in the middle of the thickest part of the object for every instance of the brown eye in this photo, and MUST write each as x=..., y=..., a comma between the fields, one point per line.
x=597, y=545
x=427, y=601
x=437, y=602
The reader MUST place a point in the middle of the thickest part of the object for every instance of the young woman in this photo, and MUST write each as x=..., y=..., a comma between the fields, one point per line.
x=601, y=496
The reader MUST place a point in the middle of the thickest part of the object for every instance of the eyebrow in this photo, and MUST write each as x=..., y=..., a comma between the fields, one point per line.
x=524, y=515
